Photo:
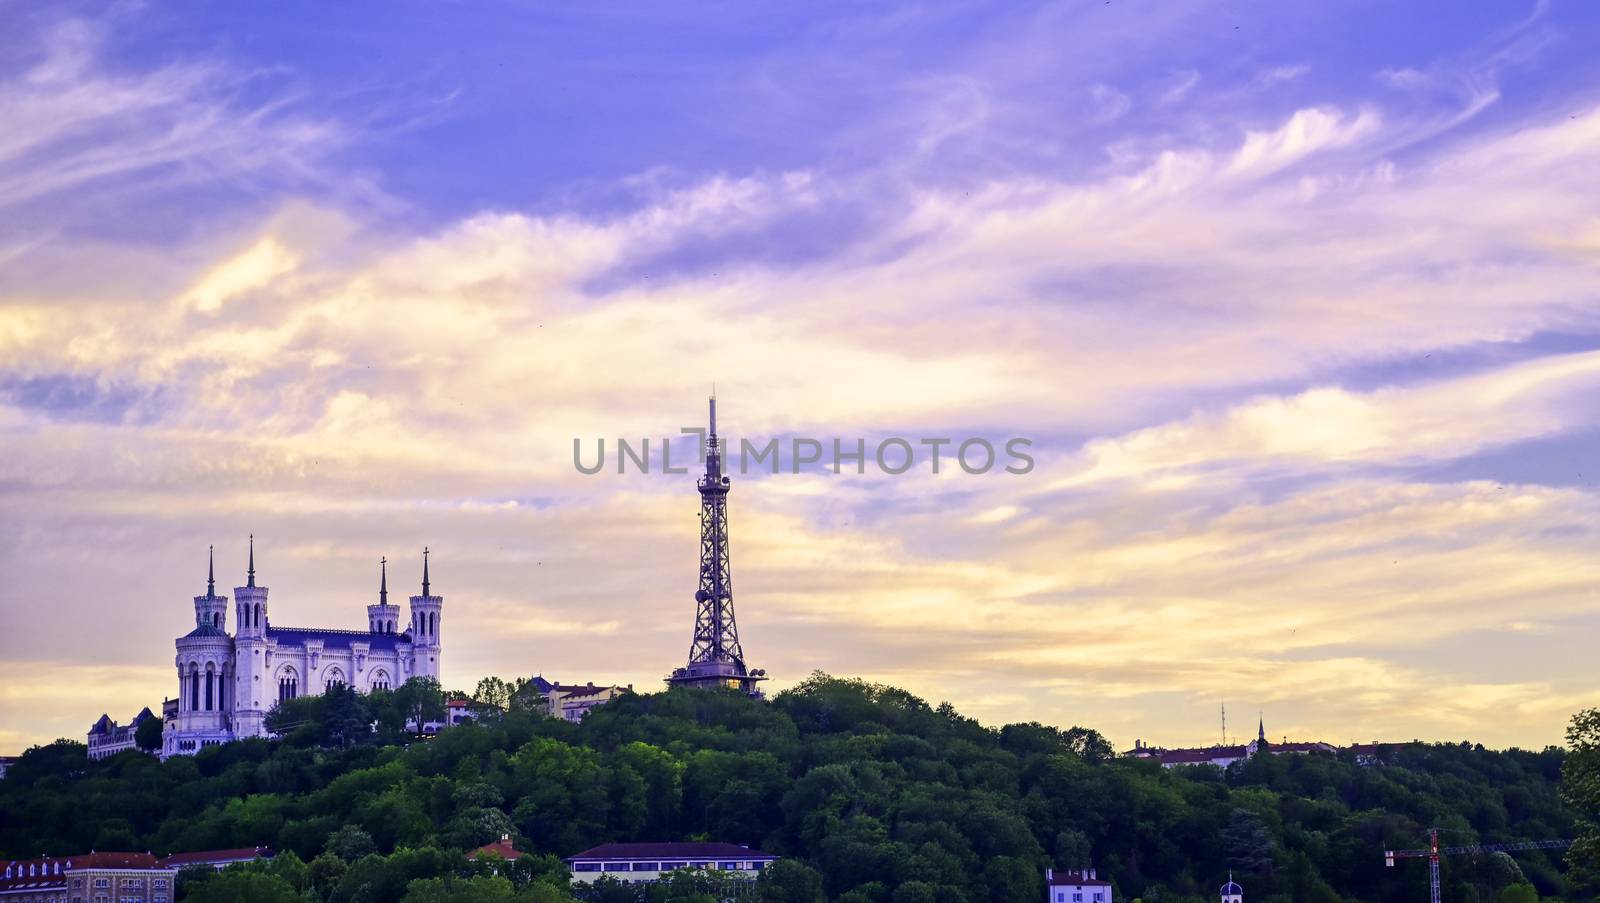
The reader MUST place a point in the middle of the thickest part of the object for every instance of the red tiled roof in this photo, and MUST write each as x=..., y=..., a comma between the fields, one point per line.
x=213, y=857
x=502, y=848
x=705, y=851
x=1076, y=879
x=1187, y=756
x=112, y=861
x=45, y=869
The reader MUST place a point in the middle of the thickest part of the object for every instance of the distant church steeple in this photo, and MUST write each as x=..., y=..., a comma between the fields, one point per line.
x=383, y=581
x=250, y=575
x=1261, y=730
x=425, y=592
x=211, y=572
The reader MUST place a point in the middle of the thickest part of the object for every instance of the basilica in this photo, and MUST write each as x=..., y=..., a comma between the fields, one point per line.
x=227, y=683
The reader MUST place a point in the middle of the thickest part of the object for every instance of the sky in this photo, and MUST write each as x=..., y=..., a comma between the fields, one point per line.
x=1297, y=304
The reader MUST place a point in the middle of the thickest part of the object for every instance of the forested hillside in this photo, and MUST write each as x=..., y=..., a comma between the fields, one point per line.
x=878, y=795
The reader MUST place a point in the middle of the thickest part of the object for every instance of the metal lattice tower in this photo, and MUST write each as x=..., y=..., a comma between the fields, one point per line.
x=715, y=657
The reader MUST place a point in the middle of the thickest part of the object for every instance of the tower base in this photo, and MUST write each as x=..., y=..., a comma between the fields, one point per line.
x=717, y=675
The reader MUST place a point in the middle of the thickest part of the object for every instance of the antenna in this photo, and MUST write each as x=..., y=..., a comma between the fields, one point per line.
x=1224, y=724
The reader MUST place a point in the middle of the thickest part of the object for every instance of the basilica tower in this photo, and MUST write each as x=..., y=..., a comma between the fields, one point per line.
x=253, y=657
x=383, y=617
x=426, y=611
x=205, y=666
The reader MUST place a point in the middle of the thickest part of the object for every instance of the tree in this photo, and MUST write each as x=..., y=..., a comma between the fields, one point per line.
x=451, y=889
x=494, y=693
x=244, y=887
x=350, y=843
x=147, y=736
x=1581, y=790
x=345, y=717
x=422, y=700
x=790, y=881
x=1248, y=843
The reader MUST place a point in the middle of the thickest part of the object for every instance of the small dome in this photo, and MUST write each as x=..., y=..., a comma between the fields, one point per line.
x=1230, y=890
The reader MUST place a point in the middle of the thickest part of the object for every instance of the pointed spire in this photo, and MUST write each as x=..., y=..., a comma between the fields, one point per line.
x=1261, y=730
x=383, y=581
x=211, y=572
x=251, y=574
x=425, y=592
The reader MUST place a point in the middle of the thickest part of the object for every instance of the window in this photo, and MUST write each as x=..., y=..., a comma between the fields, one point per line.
x=669, y=866
x=647, y=866
x=727, y=865
x=616, y=866
x=102, y=882
x=1099, y=897
x=161, y=884
x=586, y=867
x=1077, y=898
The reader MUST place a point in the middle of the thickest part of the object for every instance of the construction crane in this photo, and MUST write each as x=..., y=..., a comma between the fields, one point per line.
x=1434, y=852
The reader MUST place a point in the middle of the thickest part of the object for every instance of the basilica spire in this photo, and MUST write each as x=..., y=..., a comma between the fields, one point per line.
x=425, y=592
x=250, y=575
x=211, y=572
x=383, y=581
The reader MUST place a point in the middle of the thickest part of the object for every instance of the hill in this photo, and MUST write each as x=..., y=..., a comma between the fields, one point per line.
x=881, y=797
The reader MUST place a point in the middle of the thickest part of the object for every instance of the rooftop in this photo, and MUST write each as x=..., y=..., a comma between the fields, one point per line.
x=685, y=850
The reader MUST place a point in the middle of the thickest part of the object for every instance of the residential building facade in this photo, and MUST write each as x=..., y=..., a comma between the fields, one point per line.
x=634, y=862
x=1076, y=886
x=88, y=878
x=107, y=738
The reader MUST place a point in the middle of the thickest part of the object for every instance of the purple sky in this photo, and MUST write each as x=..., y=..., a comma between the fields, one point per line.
x=1298, y=306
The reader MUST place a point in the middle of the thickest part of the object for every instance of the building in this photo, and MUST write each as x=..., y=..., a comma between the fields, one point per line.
x=1075, y=886
x=716, y=660
x=649, y=861
x=227, y=683
x=5, y=765
x=1231, y=892
x=1223, y=756
x=88, y=878
x=503, y=848
x=107, y=738
x=574, y=702
x=1220, y=756
x=216, y=859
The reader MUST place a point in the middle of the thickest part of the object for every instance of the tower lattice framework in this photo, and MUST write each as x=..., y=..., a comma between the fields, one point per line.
x=716, y=658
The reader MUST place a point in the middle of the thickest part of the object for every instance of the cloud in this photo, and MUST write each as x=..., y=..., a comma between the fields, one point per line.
x=1307, y=132
x=73, y=122
x=1108, y=104
x=1190, y=325
x=1324, y=426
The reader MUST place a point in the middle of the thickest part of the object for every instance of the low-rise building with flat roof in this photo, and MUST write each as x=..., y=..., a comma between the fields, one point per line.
x=649, y=861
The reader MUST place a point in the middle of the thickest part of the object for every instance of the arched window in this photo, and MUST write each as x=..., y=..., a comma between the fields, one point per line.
x=255, y=617
x=288, y=683
x=211, y=679
x=194, y=687
x=380, y=679
x=433, y=624
x=331, y=678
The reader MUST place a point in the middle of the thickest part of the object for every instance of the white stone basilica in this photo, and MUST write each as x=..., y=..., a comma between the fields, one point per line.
x=228, y=684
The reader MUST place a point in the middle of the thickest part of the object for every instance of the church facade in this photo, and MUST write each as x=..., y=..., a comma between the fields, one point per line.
x=227, y=683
